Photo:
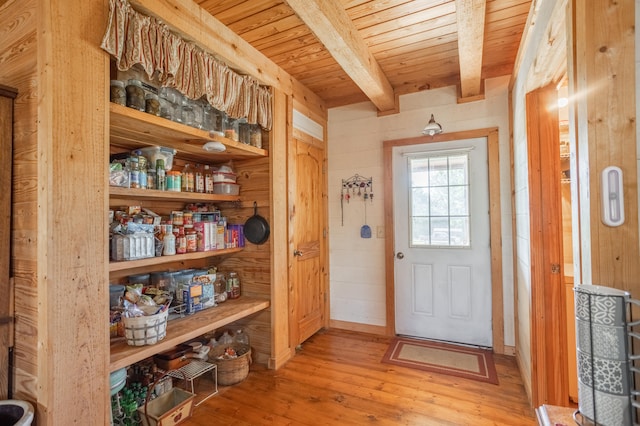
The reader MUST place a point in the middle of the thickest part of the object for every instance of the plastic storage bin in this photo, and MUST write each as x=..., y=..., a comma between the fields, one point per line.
x=154, y=153
x=226, y=188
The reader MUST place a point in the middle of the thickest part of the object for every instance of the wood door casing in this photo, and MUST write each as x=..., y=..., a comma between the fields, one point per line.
x=548, y=306
x=6, y=301
x=307, y=298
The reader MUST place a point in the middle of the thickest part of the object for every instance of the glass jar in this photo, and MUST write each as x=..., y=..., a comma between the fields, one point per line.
x=198, y=114
x=220, y=288
x=208, y=117
x=118, y=94
x=135, y=95
x=255, y=136
x=188, y=115
x=152, y=104
x=243, y=131
x=230, y=128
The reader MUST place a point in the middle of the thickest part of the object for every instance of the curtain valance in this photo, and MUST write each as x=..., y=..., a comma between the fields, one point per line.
x=133, y=38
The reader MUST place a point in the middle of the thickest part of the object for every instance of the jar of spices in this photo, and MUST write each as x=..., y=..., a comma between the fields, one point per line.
x=134, y=172
x=152, y=104
x=174, y=181
x=187, y=219
x=135, y=95
x=118, y=94
x=192, y=240
x=177, y=218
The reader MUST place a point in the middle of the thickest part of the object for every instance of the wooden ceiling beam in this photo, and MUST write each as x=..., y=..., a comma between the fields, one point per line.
x=330, y=23
x=470, y=15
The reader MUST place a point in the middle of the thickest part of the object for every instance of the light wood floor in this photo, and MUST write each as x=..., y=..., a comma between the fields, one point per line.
x=337, y=379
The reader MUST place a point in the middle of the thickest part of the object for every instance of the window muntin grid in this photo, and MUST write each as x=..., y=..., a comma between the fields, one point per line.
x=439, y=213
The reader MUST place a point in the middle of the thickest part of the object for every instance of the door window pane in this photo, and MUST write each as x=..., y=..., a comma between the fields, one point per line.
x=439, y=200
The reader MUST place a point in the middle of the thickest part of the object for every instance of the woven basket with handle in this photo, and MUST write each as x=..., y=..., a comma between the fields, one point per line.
x=232, y=370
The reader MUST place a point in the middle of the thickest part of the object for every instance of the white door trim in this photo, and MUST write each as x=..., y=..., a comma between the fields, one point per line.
x=495, y=222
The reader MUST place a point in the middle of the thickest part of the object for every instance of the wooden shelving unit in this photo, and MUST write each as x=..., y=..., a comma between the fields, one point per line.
x=183, y=329
x=131, y=129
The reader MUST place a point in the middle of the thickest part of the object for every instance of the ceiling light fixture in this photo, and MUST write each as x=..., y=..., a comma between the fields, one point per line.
x=432, y=127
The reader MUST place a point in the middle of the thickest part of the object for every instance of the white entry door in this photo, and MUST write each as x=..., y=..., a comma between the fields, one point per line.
x=443, y=260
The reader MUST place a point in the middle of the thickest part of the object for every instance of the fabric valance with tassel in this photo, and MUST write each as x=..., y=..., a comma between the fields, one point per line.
x=133, y=38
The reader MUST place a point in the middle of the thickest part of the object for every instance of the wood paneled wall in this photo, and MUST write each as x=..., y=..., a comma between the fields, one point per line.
x=606, y=136
x=49, y=51
x=18, y=60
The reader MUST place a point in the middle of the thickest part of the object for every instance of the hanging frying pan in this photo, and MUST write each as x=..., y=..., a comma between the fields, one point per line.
x=256, y=228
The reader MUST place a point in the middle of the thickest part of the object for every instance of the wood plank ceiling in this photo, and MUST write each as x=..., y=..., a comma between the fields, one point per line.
x=350, y=51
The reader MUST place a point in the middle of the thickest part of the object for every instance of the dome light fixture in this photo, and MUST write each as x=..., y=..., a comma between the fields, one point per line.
x=432, y=127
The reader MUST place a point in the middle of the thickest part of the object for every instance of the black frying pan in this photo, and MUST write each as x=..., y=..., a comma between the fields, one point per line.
x=256, y=228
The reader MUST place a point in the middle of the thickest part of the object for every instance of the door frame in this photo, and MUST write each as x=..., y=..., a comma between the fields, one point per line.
x=495, y=221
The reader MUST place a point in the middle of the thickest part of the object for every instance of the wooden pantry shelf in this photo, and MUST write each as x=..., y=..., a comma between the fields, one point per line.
x=187, y=328
x=160, y=260
x=131, y=129
x=152, y=194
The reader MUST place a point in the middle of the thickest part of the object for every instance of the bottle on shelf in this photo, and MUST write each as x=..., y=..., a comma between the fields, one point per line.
x=161, y=177
x=134, y=172
x=233, y=286
x=142, y=169
x=198, y=179
x=169, y=247
x=181, y=241
x=187, y=179
x=208, y=180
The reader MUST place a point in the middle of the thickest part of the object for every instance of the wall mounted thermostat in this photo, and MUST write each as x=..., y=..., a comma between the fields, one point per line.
x=612, y=196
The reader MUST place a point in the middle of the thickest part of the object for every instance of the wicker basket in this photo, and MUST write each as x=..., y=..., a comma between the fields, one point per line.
x=234, y=370
x=146, y=330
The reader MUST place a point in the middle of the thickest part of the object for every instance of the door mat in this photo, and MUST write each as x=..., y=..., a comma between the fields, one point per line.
x=444, y=358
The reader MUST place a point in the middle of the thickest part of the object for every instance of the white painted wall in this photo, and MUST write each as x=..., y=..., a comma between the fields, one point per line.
x=355, y=136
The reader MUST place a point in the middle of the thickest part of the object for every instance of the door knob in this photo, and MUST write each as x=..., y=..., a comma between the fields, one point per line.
x=400, y=255
x=297, y=253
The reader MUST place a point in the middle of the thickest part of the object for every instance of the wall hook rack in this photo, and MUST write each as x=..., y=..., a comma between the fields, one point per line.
x=355, y=186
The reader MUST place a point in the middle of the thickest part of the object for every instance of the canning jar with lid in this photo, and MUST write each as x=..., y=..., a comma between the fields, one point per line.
x=152, y=104
x=188, y=115
x=118, y=94
x=135, y=95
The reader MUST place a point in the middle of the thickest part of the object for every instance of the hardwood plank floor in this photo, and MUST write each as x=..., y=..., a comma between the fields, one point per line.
x=337, y=378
